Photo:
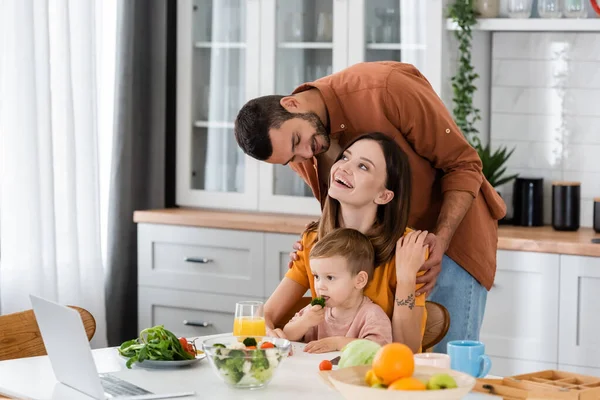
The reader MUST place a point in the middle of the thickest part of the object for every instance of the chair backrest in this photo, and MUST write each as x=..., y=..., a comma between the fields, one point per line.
x=20, y=335
x=438, y=321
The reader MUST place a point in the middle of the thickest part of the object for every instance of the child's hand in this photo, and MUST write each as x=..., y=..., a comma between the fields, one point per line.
x=313, y=316
x=410, y=252
x=323, y=346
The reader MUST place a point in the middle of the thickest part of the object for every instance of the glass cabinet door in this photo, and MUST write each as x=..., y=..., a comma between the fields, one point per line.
x=408, y=31
x=216, y=74
x=394, y=31
x=304, y=40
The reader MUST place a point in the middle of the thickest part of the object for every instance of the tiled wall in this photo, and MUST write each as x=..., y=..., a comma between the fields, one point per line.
x=545, y=101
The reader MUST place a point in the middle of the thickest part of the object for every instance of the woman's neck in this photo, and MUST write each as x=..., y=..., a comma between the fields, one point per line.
x=361, y=219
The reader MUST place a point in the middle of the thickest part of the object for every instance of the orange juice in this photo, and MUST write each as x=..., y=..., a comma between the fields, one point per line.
x=249, y=326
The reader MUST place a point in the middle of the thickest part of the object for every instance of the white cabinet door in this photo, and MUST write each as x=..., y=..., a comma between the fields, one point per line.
x=218, y=45
x=201, y=259
x=579, y=311
x=277, y=257
x=511, y=366
x=521, y=316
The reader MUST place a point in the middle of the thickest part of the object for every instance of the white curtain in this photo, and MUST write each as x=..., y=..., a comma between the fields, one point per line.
x=413, y=14
x=50, y=201
x=224, y=159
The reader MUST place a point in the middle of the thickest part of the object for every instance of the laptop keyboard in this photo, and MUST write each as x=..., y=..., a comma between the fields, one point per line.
x=115, y=387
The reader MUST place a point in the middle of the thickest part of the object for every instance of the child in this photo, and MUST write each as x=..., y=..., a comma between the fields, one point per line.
x=342, y=264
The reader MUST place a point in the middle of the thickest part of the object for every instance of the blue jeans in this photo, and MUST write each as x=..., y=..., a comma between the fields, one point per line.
x=464, y=297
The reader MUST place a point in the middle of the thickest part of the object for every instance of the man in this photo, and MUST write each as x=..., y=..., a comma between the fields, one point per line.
x=450, y=197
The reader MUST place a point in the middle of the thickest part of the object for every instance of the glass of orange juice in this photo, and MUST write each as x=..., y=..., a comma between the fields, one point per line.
x=249, y=319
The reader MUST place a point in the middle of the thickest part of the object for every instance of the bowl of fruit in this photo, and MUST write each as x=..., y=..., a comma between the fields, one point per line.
x=392, y=375
x=246, y=362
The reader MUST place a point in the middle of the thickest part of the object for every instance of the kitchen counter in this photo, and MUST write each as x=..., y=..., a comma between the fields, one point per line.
x=537, y=239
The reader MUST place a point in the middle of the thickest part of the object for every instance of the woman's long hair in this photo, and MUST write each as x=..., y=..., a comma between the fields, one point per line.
x=392, y=218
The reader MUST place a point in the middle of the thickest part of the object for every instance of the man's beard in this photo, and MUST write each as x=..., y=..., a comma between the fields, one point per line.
x=320, y=129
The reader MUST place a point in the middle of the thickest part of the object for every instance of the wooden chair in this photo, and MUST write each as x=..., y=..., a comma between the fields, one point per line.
x=20, y=335
x=438, y=321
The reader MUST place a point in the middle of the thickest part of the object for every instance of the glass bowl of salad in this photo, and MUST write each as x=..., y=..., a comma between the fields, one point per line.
x=246, y=362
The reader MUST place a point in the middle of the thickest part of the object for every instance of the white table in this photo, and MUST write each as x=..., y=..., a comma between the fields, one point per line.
x=296, y=378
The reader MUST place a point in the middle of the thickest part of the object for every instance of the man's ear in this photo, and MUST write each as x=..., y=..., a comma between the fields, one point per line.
x=361, y=279
x=384, y=197
x=290, y=103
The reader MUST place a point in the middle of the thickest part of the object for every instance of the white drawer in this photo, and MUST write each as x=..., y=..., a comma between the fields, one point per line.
x=201, y=259
x=172, y=308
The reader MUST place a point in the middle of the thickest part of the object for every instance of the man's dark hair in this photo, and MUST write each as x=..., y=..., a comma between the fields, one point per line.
x=254, y=121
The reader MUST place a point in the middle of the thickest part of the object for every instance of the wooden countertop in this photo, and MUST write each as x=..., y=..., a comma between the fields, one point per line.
x=539, y=239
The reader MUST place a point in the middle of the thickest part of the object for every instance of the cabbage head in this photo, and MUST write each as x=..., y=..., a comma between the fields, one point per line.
x=358, y=352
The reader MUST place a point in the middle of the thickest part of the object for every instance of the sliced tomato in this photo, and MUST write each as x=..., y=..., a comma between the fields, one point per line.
x=267, y=345
x=186, y=345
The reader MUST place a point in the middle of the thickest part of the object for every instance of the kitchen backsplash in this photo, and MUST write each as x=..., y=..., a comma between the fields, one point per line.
x=545, y=102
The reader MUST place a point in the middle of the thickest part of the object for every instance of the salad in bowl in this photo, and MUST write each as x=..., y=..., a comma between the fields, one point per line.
x=246, y=362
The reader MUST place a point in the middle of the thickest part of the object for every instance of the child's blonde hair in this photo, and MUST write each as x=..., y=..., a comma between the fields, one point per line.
x=350, y=244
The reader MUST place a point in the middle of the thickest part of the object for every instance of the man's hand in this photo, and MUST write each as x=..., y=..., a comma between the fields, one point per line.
x=297, y=247
x=433, y=265
x=293, y=256
x=324, y=345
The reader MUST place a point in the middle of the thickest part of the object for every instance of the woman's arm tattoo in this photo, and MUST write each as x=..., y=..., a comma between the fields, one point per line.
x=409, y=302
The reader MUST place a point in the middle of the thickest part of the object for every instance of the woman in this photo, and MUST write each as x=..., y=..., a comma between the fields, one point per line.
x=369, y=190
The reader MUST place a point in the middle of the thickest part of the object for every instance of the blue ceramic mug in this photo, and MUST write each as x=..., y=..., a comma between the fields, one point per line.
x=468, y=356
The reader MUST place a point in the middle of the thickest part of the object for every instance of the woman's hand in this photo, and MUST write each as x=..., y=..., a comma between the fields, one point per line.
x=410, y=253
x=277, y=333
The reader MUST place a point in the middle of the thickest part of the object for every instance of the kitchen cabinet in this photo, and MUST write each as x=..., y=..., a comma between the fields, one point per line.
x=579, y=311
x=542, y=313
x=277, y=252
x=230, y=51
x=197, y=274
x=521, y=316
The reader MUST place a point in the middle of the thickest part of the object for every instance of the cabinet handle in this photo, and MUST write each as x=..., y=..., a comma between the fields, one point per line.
x=199, y=260
x=194, y=323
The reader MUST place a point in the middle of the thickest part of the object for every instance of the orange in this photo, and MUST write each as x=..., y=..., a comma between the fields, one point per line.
x=392, y=362
x=407, y=384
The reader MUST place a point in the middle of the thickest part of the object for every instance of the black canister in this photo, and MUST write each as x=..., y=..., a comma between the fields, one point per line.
x=597, y=214
x=566, y=198
x=528, y=202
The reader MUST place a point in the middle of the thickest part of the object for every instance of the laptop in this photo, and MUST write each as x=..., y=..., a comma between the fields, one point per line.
x=71, y=356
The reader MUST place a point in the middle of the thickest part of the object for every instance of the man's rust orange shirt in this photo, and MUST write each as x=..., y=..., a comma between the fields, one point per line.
x=396, y=99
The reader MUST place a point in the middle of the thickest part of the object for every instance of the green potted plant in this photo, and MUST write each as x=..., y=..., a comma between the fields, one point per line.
x=462, y=13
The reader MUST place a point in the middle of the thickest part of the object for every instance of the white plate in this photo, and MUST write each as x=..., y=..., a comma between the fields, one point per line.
x=165, y=364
